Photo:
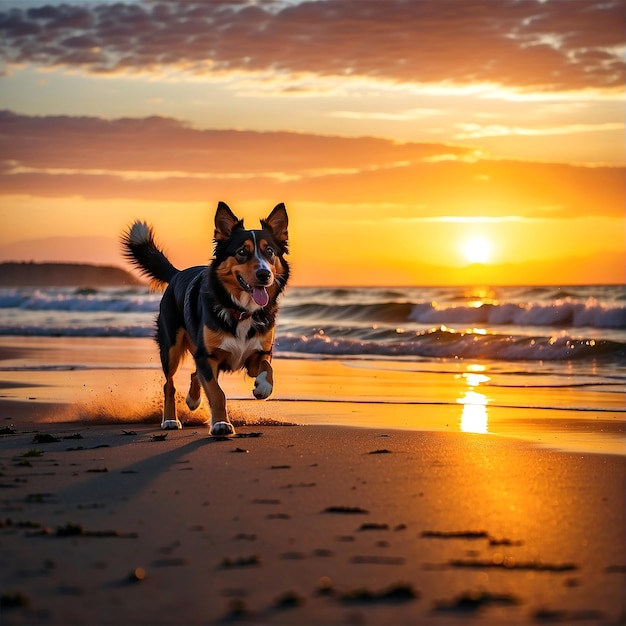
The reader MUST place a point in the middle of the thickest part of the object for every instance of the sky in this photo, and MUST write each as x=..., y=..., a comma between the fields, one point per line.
x=414, y=142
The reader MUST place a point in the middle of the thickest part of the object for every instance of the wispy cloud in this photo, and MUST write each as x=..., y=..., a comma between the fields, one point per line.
x=528, y=45
x=465, y=219
x=161, y=159
x=401, y=116
x=475, y=131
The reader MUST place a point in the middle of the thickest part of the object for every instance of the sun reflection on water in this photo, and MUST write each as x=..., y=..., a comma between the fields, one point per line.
x=474, y=417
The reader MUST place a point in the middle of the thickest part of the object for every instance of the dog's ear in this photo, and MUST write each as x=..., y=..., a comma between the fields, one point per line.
x=225, y=222
x=277, y=221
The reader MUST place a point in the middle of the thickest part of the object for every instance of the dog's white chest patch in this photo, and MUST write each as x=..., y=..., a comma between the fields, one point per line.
x=240, y=347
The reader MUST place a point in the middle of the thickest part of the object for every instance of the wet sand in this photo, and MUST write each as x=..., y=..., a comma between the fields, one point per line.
x=103, y=519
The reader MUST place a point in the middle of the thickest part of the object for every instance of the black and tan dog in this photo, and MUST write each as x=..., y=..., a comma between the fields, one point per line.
x=223, y=313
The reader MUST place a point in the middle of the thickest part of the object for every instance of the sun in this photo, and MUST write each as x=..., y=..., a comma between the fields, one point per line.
x=477, y=250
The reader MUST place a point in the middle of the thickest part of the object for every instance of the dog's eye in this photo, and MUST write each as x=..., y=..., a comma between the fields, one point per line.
x=241, y=254
x=269, y=252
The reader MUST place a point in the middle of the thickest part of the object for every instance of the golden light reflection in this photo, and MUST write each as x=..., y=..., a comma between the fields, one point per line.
x=474, y=417
x=473, y=380
x=478, y=297
x=475, y=367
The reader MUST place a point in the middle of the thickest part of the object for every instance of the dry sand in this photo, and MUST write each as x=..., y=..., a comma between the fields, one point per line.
x=104, y=521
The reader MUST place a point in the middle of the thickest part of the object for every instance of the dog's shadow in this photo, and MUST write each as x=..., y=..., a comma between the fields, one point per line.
x=124, y=483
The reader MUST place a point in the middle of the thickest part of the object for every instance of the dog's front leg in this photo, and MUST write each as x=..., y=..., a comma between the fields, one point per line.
x=260, y=368
x=207, y=375
x=264, y=383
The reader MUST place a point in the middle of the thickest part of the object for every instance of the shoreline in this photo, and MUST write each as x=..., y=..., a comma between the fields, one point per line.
x=112, y=380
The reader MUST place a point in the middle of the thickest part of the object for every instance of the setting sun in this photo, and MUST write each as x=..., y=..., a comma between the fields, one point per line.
x=477, y=250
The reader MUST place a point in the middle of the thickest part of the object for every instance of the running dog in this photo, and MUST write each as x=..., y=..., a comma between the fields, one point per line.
x=223, y=313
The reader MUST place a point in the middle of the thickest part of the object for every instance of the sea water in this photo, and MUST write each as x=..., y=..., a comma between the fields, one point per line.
x=535, y=336
x=502, y=323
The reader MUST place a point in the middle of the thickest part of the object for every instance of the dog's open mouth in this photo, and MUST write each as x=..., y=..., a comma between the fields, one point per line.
x=259, y=294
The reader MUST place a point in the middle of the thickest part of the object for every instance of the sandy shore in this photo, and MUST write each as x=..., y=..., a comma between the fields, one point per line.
x=102, y=520
x=107, y=380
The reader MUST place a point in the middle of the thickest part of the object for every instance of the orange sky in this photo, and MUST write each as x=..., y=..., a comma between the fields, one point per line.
x=395, y=132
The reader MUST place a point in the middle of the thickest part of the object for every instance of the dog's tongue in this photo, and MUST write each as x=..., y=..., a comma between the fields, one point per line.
x=260, y=296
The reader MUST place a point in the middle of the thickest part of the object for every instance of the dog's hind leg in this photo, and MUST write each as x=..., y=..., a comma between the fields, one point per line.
x=171, y=355
x=170, y=420
x=194, y=396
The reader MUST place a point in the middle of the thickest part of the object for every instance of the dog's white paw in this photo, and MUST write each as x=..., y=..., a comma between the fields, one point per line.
x=262, y=388
x=171, y=425
x=222, y=429
x=193, y=404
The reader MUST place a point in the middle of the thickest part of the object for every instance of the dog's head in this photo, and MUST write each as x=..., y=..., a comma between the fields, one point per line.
x=250, y=264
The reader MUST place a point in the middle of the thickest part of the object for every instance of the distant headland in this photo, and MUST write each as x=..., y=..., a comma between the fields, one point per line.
x=15, y=274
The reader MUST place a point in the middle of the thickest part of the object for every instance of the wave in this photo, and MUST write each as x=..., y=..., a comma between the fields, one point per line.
x=588, y=323
x=562, y=314
x=80, y=301
x=100, y=330
x=434, y=343
x=444, y=343
x=341, y=305
x=383, y=312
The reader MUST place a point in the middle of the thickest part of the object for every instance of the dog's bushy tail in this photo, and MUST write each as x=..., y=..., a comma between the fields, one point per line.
x=142, y=251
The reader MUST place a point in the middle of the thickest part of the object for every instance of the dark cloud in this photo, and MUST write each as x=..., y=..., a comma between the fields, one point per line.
x=553, y=45
x=161, y=159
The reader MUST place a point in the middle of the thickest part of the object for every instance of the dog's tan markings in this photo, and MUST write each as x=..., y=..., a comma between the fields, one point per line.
x=212, y=340
x=194, y=399
x=227, y=275
x=280, y=268
x=273, y=290
x=217, y=400
x=254, y=364
x=264, y=243
x=279, y=272
x=220, y=424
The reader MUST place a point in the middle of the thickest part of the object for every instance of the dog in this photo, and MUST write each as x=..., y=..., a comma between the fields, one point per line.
x=223, y=313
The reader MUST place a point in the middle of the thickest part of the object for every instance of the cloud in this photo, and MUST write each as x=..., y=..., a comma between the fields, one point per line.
x=475, y=131
x=517, y=44
x=161, y=159
x=411, y=114
x=161, y=144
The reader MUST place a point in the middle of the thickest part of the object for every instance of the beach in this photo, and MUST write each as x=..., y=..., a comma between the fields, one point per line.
x=406, y=219
x=360, y=493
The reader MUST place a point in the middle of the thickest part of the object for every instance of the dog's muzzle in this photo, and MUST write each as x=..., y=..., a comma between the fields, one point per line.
x=259, y=293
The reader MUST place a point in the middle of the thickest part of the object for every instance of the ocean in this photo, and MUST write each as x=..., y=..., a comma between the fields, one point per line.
x=537, y=337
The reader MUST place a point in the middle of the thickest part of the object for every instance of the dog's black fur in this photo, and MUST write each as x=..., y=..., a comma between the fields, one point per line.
x=223, y=313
